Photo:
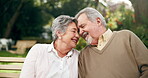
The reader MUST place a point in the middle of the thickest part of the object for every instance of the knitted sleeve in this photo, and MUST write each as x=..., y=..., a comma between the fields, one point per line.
x=141, y=54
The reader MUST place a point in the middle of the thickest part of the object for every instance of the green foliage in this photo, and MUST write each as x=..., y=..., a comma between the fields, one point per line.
x=125, y=19
x=72, y=6
x=129, y=23
x=81, y=44
x=141, y=31
x=66, y=7
x=36, y=13
x=30, y=21
x=6, y=12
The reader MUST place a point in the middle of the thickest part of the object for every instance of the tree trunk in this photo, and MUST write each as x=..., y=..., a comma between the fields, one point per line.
x=12, y=20
x=141, y=10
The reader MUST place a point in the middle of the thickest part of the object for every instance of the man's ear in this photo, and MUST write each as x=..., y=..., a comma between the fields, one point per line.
x=98, y=21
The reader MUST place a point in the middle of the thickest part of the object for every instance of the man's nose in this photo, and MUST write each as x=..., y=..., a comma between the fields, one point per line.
x=80, y=31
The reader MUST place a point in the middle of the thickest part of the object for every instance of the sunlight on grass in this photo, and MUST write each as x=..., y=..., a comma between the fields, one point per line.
x=9, y=71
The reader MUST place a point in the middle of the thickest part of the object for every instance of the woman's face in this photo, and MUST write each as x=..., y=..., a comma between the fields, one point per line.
x=71, y=36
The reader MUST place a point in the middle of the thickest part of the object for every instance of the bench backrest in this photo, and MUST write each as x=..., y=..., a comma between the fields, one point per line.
x=10, y=67
x=22, y=45
x=25, y=43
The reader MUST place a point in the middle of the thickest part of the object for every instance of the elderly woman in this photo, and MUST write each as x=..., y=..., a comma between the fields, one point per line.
x=58, y=59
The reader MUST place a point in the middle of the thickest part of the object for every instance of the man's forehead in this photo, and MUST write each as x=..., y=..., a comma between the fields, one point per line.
x=82, y=19
x=82, y=16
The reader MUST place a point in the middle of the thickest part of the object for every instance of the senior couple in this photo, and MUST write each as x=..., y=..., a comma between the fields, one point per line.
x=109, y=54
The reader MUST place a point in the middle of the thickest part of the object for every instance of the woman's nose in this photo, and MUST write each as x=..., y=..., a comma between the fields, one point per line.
x=80, y=32
x=77, y=34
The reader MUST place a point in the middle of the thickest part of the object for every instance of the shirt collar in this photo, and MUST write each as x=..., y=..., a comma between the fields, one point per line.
x=52, y=49
x=106, y=36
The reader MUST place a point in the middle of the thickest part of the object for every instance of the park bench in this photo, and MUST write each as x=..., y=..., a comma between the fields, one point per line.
x=9, y=67
x=22, y=45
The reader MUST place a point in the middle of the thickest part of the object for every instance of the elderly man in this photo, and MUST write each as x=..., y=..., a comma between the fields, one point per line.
x=118, y=54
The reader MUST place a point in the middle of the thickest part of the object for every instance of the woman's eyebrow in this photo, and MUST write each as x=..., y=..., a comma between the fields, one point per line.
x=74, y=28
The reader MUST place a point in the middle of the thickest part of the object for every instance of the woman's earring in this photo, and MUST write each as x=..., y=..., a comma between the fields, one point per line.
x=60, y=38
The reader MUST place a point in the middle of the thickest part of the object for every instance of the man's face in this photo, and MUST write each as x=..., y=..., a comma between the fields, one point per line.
x=87, y=29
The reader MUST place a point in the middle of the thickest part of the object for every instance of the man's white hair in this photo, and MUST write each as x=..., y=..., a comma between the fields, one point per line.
x=92, y=14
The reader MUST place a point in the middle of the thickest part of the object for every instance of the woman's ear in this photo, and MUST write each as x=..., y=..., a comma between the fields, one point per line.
x=59, y=34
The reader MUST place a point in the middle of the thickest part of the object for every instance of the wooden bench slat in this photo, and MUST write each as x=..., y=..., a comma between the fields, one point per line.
x=9, y=75
x=12, y=59
x=10, y=67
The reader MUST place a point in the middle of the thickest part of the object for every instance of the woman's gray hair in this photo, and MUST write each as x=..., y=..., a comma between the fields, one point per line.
x=91, y=14
x=60, y=24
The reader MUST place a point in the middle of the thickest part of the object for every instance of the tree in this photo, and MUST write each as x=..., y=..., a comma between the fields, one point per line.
x=141, y=10
x=67, y=7
x=21, y=19
x=10, y=24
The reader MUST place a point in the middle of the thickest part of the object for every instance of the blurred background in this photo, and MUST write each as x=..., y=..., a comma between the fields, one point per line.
x=32, y=19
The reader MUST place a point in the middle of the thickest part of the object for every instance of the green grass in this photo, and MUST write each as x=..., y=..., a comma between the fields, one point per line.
x=8, y=54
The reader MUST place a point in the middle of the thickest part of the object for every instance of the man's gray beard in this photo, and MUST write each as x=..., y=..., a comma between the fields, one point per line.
x=89, y=40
